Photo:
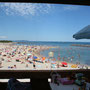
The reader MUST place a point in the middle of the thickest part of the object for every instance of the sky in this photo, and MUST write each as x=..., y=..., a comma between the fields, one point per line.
x=42, y=22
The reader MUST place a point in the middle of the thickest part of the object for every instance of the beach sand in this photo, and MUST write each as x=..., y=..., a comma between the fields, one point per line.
x=9, y=54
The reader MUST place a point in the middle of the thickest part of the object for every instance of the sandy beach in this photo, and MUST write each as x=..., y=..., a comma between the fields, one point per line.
x=22, y=57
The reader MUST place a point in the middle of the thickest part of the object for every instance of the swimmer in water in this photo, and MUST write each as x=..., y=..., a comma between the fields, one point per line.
x=71, y=60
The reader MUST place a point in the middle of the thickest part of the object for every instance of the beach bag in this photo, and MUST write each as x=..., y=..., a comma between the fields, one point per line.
x=14, y=84
x=87, y=86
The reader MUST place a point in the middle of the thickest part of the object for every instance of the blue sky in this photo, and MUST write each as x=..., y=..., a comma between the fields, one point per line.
x=42, y=22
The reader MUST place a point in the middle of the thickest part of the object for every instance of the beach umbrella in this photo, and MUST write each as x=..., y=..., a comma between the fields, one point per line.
x=64, y=63
x=51, y=54
x=43, y=58
x=34, y=57
x=83, y=33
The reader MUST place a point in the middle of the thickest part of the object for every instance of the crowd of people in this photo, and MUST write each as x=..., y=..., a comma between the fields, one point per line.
x=13, y=56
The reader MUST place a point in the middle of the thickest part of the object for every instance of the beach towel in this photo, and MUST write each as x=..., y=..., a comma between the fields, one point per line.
x=65, y=81
x=14, y=84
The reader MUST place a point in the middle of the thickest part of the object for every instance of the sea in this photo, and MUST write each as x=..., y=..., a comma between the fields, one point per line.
x=65, y=50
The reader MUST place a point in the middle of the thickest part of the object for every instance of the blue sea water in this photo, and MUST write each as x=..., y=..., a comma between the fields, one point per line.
x=80, y=54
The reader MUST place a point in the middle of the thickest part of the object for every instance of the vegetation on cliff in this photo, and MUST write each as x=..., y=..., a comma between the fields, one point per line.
x=5, y=41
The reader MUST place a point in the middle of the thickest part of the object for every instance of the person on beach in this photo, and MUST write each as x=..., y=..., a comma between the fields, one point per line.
x=14, y=66
x=0, y=53
x=54, y=59
x=79, y=56
x=71, y=60
x=26, y=65
x=72, y=57
x=59, y=58
x=0, y=63
x=2, y=59
x=68, y=59
x=46, y=63
x=63, y=58
x=46, y=60
x=30, y=58
x=58, y=64
x=34, y=66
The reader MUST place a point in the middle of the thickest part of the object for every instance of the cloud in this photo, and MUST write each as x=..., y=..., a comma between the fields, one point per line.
x=71, y=7
x=3, y=37
x=24, y=8
x=33, y=9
